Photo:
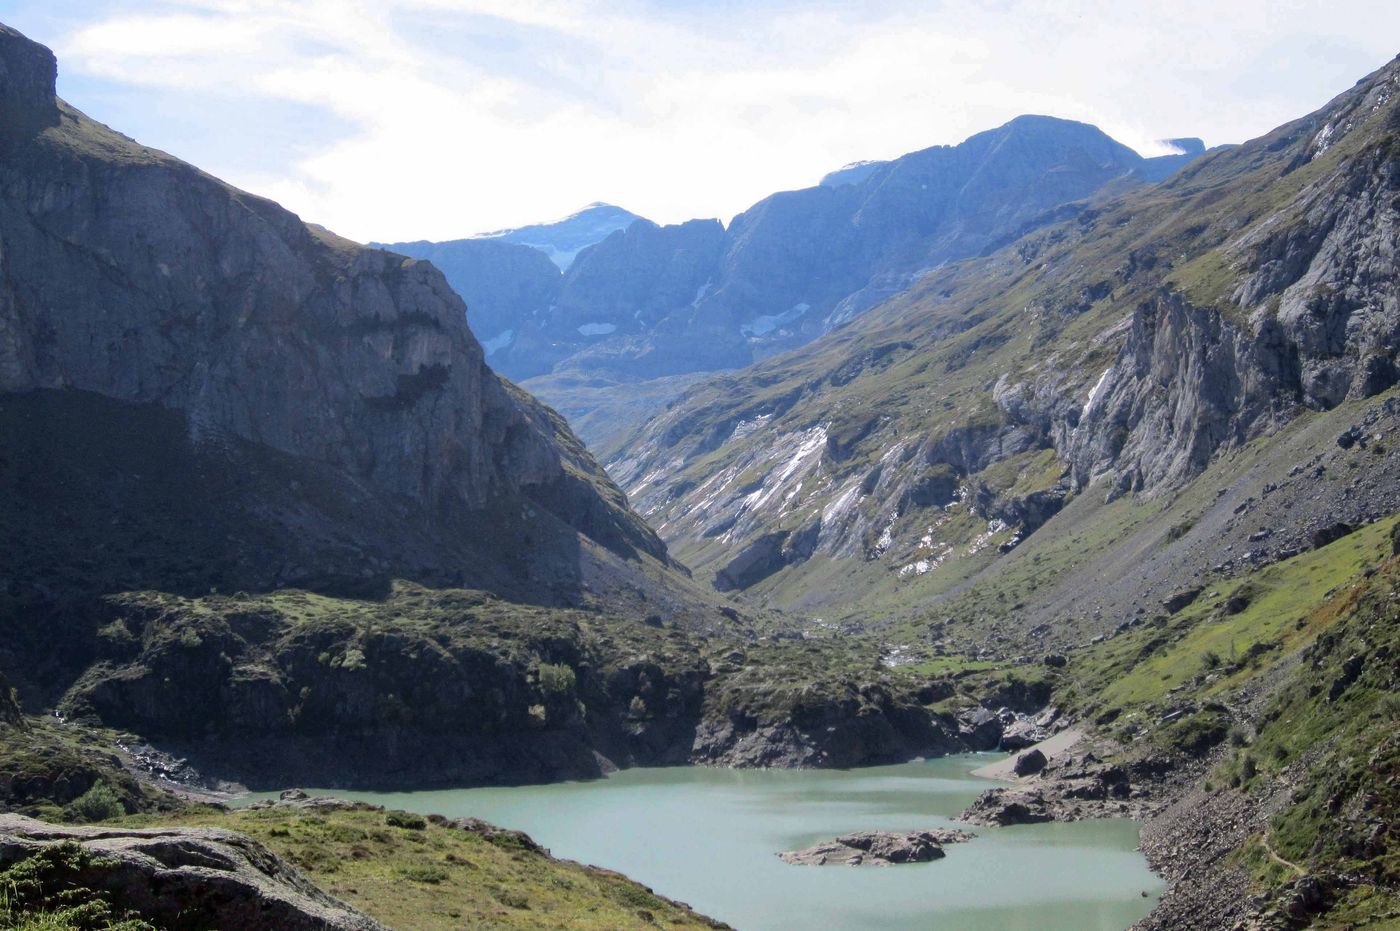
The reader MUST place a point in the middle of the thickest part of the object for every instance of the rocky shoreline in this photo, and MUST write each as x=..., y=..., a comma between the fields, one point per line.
x=1186, y=829
x=1191, y=831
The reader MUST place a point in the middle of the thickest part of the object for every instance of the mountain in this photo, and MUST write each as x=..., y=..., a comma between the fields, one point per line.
x=201, y=394
x=499, y=274
x=854, y=173
x=510, y=279
x=563, y=239
x=506, y=286
x=792, y=267
x=266, y=506
x=136, y=287
x=611, y=315
x=1124, y=353
x=1138, y=463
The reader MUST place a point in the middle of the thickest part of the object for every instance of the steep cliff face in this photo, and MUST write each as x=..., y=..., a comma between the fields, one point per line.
x=506, y=286
x=1305, y=314
x=614, y=294
x=1132, y=347
x=133, y=276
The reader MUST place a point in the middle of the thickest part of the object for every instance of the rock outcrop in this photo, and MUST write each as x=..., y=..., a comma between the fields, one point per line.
x=878, y=848
x=182, y=878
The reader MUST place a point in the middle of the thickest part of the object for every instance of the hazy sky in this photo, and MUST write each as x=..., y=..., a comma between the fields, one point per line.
x=408, y=119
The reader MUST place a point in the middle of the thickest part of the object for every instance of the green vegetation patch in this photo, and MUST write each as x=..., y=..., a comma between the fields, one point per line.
x=441, y=877
x=43, y=892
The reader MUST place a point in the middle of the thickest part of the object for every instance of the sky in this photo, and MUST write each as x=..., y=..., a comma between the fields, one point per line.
x=437, y=119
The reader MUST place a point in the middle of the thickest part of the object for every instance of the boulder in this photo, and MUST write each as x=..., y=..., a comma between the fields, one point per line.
x=1181, y=599
x=1330, y=534
x=1029, y=763
x=980, y=729
x=1002, y=807
x=1021, y=734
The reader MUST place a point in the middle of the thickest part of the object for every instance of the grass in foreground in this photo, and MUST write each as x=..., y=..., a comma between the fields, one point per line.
x=409, y=872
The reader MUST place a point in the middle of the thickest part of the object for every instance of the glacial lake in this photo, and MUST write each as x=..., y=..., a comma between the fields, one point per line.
x=708, y=837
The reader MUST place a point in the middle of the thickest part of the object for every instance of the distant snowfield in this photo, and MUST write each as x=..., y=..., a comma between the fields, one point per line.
x=597, y=329
x=498, y=342
x=767, y=323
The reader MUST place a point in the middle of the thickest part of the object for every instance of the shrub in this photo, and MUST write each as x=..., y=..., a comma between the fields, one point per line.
x=1177, y=531
x=39, y=893
x=98, y=803
x=423, y=874
x=557, y=678
x=1198, y=733
x=406, y=820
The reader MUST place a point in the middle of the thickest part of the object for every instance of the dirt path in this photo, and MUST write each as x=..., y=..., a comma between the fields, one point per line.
x=1273, y=855
x=1051, y=747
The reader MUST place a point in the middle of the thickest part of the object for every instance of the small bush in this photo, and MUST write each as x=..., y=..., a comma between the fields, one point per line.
x=98, y=803
x=406, y=820
x=557, y=679
x=39, y=894
x=1198, y=733
x=423, y=874
x=1177, y=531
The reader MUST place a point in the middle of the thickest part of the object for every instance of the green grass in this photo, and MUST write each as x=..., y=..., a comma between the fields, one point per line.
x=1211, y=651
x=40, y=893
x=438, y=877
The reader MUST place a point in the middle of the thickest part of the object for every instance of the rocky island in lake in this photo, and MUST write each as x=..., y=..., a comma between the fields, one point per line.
x=878, y=848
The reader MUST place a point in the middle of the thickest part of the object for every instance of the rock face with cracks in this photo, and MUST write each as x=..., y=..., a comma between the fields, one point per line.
x=185, y=877
x=135, y=277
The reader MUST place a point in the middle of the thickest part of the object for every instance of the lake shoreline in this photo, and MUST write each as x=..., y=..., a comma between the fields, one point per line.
x=670, y=828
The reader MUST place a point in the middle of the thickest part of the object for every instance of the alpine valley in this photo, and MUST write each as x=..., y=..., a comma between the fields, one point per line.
x=1029, y=444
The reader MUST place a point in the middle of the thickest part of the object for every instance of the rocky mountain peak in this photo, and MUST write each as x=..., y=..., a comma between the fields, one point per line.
x=1187, y=145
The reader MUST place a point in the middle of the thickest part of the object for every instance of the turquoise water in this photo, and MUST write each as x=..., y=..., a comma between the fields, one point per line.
x=708, y=837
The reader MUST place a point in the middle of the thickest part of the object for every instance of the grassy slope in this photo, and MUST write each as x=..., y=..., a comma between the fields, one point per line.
x=1289, y=675
x=436, y=877
x=1214, y=645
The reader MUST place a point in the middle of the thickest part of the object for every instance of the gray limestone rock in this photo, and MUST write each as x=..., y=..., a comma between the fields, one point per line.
x=188, y=877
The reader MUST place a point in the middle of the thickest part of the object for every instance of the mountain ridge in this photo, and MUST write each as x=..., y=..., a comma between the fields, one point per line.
x=791, y=267
x=1011, y=359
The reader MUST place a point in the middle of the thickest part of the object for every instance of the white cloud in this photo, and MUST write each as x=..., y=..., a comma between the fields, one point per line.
x=466, y=115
